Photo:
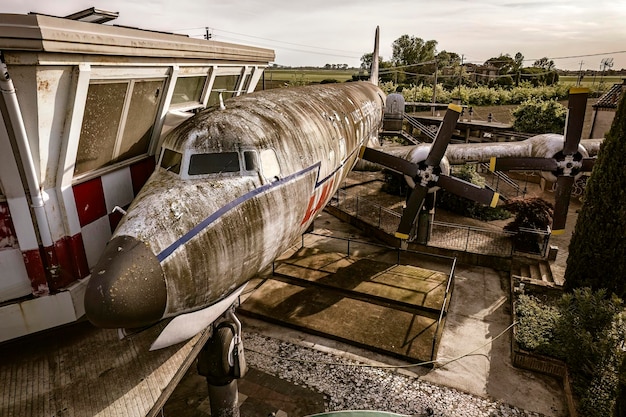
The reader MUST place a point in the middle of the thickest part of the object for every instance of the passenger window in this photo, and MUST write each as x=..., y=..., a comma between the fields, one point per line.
x=213, y=163
x=249, y=158
x=269, y=165
x=170, y=161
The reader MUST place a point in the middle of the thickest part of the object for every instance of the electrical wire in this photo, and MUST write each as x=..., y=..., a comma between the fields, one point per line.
x=436, y=364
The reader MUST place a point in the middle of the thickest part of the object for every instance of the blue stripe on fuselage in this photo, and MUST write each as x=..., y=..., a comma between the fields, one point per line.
x=224, y=209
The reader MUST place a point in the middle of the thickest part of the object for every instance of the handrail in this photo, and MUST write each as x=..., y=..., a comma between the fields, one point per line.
x=419, y=125
x=502, y=176
x=443, y=308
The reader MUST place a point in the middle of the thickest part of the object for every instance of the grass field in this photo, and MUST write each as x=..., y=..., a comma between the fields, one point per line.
x=590, y=81
x=297, y=76
x=316, y=75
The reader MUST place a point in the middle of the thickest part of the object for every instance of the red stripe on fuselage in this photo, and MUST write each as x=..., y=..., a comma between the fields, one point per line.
x=318, y=200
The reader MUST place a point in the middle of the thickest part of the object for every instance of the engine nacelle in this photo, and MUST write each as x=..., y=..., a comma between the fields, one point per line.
x=550, y=145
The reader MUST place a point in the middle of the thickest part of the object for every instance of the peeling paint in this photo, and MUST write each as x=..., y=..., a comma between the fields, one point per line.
x=215, y=232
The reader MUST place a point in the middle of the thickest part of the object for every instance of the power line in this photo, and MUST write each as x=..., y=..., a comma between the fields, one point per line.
x=265, y=39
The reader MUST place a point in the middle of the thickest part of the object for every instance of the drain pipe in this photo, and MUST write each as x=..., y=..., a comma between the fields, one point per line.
x=21, y=139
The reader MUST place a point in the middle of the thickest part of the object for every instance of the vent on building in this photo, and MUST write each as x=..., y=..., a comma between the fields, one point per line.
x=93, y=15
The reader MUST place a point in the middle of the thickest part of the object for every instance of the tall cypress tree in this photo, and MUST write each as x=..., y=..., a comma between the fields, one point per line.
x=597, y=251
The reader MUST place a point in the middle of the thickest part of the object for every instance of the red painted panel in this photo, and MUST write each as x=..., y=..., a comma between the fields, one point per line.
x=36, y=272
x=69, y=260
x=89, y=198
x=7, y=231
x=81, y=268
x=140, y=172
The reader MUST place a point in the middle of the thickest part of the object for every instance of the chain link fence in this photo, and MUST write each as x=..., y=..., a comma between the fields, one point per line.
x=444, y=235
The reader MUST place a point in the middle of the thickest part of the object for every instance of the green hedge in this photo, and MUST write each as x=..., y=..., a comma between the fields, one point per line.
x=587, y=330
x=481, y=95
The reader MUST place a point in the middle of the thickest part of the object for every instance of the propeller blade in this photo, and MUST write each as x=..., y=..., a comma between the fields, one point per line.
x=392, y=162
x=413, y=207
x=468, y=190
x=575, y=119
x=522, y=164
x=588, y=164
x=562, y=195
x=444, y=134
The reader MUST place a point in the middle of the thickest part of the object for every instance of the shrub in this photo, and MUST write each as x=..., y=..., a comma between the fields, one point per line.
x=539, y=116
x=479, y=95
x=536, y=323
x=590, y=334
x=586, y=329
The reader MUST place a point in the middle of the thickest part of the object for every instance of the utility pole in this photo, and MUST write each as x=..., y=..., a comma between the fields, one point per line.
x=461, y=76
x=580, y=73
x=207, y=33
x=432, y=109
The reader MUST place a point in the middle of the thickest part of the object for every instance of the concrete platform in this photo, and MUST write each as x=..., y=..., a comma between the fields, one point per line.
x=388, y=308
x=80, y=370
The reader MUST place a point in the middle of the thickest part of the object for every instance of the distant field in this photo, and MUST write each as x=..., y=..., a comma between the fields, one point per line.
x=589, y=81
x=297, y=76
x=307, y=76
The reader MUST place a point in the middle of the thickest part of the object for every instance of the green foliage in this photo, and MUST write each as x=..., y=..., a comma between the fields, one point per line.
x=480, y=95
x=597, y=250
x=537, y=76
x=620, y=407
x=536, y=323
x=587, y=330
x=538, y=116
x=465, y=207
x=530, y=213
x=590, y=334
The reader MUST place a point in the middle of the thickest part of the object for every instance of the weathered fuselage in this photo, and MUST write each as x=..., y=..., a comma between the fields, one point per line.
x=233, y=189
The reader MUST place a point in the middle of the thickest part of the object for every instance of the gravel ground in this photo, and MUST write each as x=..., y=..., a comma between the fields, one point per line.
x=358, y=386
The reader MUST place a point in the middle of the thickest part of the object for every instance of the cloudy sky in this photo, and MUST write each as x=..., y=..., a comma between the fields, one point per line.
x=341, y=31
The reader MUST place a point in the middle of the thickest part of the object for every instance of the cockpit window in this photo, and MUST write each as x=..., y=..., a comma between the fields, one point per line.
x=250, y=160
x=171, y=160
x=213, y=163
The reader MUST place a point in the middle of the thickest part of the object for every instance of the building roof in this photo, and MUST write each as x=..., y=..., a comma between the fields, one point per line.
x=41, y=33
x=610, y=99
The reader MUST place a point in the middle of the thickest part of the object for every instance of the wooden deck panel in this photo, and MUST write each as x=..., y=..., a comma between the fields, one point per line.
x=79, y=371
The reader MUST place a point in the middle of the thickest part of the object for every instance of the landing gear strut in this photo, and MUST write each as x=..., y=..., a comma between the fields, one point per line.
x=221, y=361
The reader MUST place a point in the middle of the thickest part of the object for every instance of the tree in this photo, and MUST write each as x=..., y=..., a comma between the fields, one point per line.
x=530, y=213
x=544, y=63
x=448, y=59
x=597, y=250
x=519, y=62
x=504, y=63
x=410, y=50
x=539, y=116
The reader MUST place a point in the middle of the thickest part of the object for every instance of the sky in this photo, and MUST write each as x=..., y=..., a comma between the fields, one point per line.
x=573, y=33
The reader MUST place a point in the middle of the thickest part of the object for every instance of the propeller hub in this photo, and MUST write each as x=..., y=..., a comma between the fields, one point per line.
x=568, y=165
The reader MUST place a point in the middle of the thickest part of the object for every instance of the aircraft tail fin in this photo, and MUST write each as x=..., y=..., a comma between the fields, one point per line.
x=374, y=68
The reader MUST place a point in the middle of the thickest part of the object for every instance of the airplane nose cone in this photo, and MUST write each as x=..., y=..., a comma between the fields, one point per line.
x=127, y=286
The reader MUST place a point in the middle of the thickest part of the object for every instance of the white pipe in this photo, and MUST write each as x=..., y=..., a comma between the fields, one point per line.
x=19, y=131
